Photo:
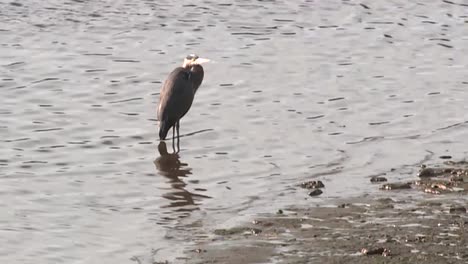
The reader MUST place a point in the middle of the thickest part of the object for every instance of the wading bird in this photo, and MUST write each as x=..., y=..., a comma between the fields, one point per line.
x=177, y=95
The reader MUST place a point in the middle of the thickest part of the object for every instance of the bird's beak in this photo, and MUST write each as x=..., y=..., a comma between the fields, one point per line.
x=200, y=61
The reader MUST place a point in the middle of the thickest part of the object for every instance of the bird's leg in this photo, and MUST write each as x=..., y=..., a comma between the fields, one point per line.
x=173, y=137
x=178, y=136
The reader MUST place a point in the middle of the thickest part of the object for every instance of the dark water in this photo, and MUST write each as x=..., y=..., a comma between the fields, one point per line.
x=334, y=90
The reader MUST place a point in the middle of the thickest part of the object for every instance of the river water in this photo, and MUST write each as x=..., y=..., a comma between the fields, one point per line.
x=295, y=90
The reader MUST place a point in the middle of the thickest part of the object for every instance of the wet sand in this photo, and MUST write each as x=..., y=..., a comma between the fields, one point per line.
x=429, y=229
x=425, y=232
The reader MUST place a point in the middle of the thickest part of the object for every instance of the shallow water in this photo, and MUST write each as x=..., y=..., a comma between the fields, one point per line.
x=334, y=90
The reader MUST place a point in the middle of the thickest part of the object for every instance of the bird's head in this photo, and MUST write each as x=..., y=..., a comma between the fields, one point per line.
x=193, y=59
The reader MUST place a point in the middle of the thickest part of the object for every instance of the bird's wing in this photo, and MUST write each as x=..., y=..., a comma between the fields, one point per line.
x=176, y=96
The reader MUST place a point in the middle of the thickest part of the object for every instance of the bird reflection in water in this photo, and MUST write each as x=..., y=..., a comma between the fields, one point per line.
x=170, y=166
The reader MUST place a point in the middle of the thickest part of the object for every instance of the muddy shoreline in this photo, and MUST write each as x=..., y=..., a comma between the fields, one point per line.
x=431, y=228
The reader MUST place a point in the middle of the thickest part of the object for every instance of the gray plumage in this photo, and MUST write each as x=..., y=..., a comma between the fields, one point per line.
x=177, y=94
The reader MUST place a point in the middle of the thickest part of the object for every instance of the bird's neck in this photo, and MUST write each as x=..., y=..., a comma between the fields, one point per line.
x=196, y=76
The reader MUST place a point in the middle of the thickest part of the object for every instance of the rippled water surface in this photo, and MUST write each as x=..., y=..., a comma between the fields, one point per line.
x=296, y=90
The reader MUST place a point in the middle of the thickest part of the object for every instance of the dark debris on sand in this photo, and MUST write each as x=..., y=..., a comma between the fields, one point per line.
x=385, y=231
x=451, y=177
x=363, y=230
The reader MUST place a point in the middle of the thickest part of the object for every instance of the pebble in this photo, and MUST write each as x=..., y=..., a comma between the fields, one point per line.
x=315, y=192
x=378, y=179
x=376, y=251
x=312, y=184
x=395, y=186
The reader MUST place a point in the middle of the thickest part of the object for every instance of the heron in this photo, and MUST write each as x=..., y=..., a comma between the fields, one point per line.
x=177, y=94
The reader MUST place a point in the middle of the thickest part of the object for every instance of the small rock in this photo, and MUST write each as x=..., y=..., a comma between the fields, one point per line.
x=445, y=157
x=312, y=184
x=376, y=251
x=315, y=192
x=396, y=186
x=279, y=212
x=378, y=179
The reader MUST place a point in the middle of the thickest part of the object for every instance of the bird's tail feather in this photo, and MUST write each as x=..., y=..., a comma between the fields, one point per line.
x=163, y=129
